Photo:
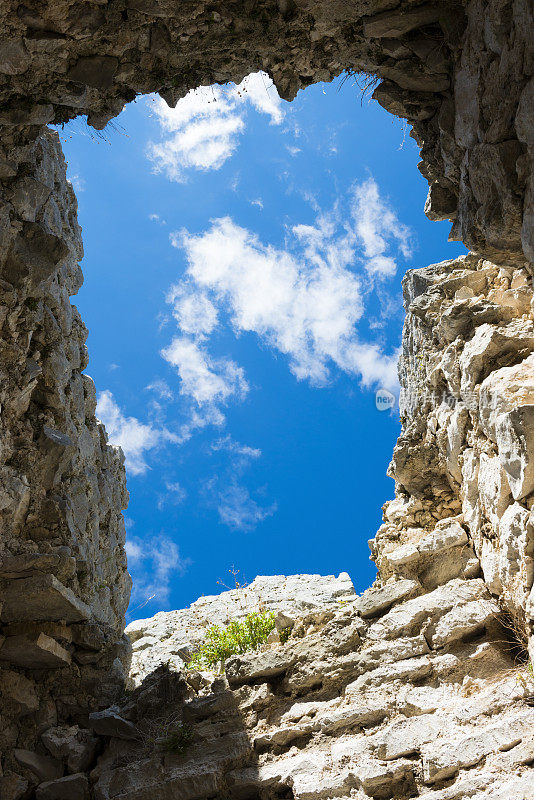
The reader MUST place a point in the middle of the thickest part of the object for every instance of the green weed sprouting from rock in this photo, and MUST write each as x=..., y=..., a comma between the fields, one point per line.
x=237, y=637
x=176, y=739
x=285, y=633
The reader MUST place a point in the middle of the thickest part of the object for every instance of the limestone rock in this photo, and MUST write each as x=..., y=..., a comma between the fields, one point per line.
x=71, y=744
x=110, y=723
x=379, y=599
x=13, y=787
x=34, y=652
x=41, y=597
x=16, y=688
x=71, y=787
x=514, y=433
x=174, y=635
x=43, y=767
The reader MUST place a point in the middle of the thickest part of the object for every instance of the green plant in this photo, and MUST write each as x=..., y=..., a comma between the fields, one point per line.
x=285, y=633
x=176, y=739
x=238, y=637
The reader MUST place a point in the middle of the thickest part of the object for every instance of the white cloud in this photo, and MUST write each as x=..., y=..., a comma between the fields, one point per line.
x=135, y=437
x=206, y=380
x=243, y=452
x=259, y=90
x=77, y=182
x=202, y=132
x=195, y=313
x=175, y=495
x=161, y=388
x=235, y=505
x=154, y=562
x=238, y=510
x=377, y=225
x=305, y=301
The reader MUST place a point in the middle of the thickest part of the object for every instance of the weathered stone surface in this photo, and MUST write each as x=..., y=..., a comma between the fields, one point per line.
x=71, y=744
x=379, y=599
x=514, y=433
x=16, y=688
x=464, y=620
x=71, y=787
x=110, y=723
x=41, y=597
x=13, y=787
x=27, y=564
x=462, y=76
x=445, y=759
x=178, y=633
x=43, y=767
x=394, y=24
x=34, y=652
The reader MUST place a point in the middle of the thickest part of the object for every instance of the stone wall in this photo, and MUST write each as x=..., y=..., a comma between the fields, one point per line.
x=412, y=689
x=467, y=442
x=63, y=580
x=455, y=551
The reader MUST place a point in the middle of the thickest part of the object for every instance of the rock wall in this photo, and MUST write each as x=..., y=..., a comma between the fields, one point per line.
x=422, y=655
x=63, y=580
x=467, y=442
x=405, y=691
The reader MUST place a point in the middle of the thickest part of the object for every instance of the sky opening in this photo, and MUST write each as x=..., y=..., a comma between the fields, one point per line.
x=243, y=265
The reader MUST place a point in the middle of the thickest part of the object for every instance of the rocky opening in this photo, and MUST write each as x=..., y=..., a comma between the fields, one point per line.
x=407, y=690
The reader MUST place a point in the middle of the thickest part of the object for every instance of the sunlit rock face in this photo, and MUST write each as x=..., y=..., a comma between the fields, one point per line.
x=402, y=692
x=410, y=689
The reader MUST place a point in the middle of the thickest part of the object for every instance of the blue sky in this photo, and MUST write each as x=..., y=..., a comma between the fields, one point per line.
x=243, y=260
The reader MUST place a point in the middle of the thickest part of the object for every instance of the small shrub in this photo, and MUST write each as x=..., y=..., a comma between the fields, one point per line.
x=285, y=633
x=238, y=637
x=164, y=734
x=176, y=740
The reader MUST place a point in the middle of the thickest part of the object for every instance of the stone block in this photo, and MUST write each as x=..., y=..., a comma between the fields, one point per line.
x=94, y=71
x=410, y=669
x=71, y=744
x=381, y=780
x=514, y=434
x=409, y=616
x=376, y=600
x=56, y=630
x=367, y=712
x=43, y=767
x=394, y=24
x=110, y=723
x=41, y=597
x=28, y=564
x=254, y=666
x=71, y=787
x=12, y=787
x=34, y=652
x=18, y=689
x=464, y=620
x=406, y=736
x=442, y=760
